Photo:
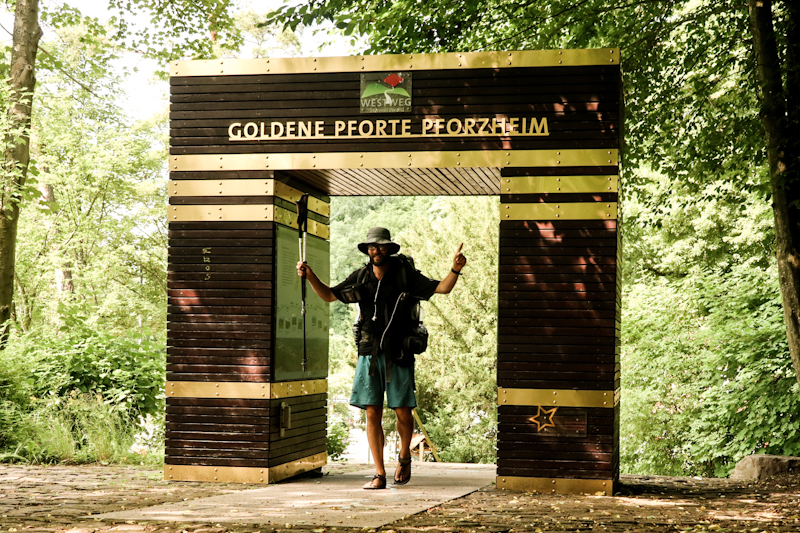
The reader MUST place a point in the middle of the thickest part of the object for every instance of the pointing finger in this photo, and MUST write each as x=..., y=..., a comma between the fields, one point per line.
x=459, y=248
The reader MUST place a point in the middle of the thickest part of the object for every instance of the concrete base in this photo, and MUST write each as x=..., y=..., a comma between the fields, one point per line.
x=334, y=501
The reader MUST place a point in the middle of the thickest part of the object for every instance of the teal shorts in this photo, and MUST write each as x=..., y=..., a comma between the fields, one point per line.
x=369, y=390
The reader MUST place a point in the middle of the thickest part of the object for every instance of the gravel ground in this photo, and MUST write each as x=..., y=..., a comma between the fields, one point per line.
x=36, y=499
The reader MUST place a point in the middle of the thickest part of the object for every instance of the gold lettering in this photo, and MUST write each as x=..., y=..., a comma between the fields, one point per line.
x=439, y=125
x=361, y=128
x=495, y=123
x=235, y=130
x=457, y=129
x=394, y=123
x=351, y=127
x=427, y=124
x=503, y=121
x=406, y=127
x=339, y=127
x=208, y=268
x=484, y=122
x=208, y=277
x=539, y=128
x=206, y=251
x=469, y=123
x=264, y=134
x=304, y=129
x=380, y=126
x=318, y=128
x=290, y=125
x=276, y=129
x=513, y=125
x=206, y=259
x=250, y=130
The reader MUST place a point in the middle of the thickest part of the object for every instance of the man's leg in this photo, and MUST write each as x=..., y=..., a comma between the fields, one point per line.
x=405, y=428
x=375, y=436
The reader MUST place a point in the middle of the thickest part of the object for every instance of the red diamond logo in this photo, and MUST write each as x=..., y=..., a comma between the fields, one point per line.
x=393, y=80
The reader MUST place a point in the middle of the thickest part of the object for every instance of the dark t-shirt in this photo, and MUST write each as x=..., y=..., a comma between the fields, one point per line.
x=379, y=299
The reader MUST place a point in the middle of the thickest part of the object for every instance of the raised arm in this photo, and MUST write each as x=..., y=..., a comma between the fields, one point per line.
x=447, y=284
x=322, y=290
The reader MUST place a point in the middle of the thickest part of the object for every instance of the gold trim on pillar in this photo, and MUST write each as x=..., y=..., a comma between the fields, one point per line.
x=234, y=389
x=562, y=211
x=241, y=474
x=558, y=184
x=604, y=487
x=561, y=398
x=245, y=187
x=243, y=213
x=355, y=160
x=440, y=61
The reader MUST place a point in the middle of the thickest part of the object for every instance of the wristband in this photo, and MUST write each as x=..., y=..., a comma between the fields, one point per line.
x=453, y=270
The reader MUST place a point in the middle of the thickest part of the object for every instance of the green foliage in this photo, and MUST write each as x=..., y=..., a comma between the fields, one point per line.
x=456, y=377
x=456, y=385
x=127, y=371
x=338, y=437
x=706, y=373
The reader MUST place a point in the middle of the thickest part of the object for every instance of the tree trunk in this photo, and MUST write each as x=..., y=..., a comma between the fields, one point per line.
x=16, y=145
x=783, y=171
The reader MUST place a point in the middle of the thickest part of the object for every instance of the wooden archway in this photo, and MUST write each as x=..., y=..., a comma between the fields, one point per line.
x=543, y=129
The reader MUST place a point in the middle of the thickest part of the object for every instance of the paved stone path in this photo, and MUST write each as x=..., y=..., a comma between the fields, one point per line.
x=65, y=499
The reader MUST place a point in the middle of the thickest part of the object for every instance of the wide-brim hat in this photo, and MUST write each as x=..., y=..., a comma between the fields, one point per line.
x=379, y=236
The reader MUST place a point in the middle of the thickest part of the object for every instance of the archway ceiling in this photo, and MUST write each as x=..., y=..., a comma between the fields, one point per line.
x=402, y=181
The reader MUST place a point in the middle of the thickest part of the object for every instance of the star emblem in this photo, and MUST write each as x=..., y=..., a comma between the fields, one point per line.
x=544, y=418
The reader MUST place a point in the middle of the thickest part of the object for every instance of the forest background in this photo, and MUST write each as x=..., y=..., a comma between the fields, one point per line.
x=707, y=376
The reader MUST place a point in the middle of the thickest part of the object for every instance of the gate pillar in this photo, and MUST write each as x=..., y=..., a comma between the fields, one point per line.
x=559, y=322
x=241, y=404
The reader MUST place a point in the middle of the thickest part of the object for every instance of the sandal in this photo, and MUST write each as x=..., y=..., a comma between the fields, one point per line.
x=378, y=482
x=404, y=470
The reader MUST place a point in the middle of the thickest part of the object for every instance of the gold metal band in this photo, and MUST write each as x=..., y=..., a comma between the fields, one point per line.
x=244, y=213
x=597, y=487
x=245, y=187
x=558, y=184
x=233, y=389
x=561, y=398
x=241, y=474
x=562, y=211
x=338, y=160
x=442, y=61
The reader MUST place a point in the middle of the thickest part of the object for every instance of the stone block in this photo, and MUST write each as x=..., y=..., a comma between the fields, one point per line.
x=761, y=466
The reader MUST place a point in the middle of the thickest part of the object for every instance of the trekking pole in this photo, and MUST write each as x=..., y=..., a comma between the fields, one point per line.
x=302, y=228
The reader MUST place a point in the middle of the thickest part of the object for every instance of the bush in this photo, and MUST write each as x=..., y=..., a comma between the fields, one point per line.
x=338, y=438
x=79, y=396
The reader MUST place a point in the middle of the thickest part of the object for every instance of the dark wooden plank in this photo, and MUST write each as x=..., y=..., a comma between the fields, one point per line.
x=222, y=284
x=207, y=378
x=218, y=352
x=218, y=310
x=550, y=321
x=220, y=318
x=554, y=253
x=558, y=240
x=215, y=225
x=231, y=247
x=214, y=360
x=219, y=343
x=558, y=331
x=249, y=370
x=534, y=340
x=241, y=275
x=218, y=326
x=554, y=198
x=558, y=368
x=508, y=302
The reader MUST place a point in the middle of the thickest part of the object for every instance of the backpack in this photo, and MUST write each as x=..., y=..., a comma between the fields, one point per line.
x=415, y=335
